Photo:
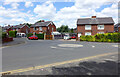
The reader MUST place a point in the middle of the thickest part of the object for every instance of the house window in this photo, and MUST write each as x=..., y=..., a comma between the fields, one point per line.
x=40, y=28
x=87, y=33
x=100, y=32
x=35, y=28
x=52, y=29
x=87, y=27
x=100, y=27
x=40, y=32
x=48, y=28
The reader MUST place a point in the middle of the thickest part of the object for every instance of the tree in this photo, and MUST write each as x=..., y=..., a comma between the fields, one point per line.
x=72, y=30
x=27, y=24
x=63, y=28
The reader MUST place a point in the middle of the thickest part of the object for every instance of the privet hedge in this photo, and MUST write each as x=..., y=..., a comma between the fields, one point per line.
x=12, y=33
x=107, y=37
x=40, y=36
x=4, y=35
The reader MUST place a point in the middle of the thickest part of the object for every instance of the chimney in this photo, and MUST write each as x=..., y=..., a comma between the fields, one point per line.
x=20, y=24
x=9, y=25
x=42, y=21
x=93, y=16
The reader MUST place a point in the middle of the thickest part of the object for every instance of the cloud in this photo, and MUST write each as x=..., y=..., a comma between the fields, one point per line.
x=65, y=16
x=14, y=5
x=85, y=8
x=28, y=4
x=45, y=11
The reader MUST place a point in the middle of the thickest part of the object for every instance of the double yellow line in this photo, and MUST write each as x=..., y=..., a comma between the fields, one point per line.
x=54, y=64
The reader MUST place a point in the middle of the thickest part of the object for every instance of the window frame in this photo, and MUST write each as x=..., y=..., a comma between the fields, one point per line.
x=40, y=28
x=86, y=28
x=98, y=27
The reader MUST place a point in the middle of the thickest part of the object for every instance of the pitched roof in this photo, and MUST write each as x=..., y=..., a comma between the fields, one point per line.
x=38, y=24
x=102, y=20
x=6, y=27
x=17, y=26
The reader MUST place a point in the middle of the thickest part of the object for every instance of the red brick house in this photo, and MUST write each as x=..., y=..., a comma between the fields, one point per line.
x=21, y=28
x=94, y=25
x=7, y=28
x=118, y=28
x=43, y=27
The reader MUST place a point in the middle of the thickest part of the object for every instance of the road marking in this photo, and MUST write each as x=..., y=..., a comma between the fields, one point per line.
x=14, y=45
x=55, y=64
x=93, y=46
x=116, y=46
x=53, y=47
x=70, y=45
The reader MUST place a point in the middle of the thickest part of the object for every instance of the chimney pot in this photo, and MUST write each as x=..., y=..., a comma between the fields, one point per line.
x=93, y=16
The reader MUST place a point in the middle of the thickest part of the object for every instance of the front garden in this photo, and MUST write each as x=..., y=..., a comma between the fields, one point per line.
x=107, y=37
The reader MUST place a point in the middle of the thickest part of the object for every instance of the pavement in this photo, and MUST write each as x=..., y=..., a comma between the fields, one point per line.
x=107, y=65
x=43, y=52
x=16, y=41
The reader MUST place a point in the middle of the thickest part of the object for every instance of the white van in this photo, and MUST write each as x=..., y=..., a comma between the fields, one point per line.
x=66, y=37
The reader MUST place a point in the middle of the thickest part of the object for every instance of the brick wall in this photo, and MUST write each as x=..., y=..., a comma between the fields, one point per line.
x=118, y=29
x=44, y=29
x=94, y=30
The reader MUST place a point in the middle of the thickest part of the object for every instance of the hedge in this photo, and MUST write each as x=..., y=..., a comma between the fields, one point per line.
x=107, y=37
x=12, y=33
x=4, y=35
x=29, y=34
x=40, y=36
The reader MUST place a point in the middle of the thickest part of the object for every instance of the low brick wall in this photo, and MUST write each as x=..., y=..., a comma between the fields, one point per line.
x=8, y=39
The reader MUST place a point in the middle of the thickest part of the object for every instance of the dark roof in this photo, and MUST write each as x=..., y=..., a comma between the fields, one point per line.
x=104, y=20
x=117, y=25
x=6, y=27
x=38, y=24
x=17, y=26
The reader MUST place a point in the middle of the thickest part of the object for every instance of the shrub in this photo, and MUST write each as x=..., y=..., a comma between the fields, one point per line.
x=12, y=33
x=4, y=35
x=87, y=38
x=29, y=34
x=107, y=37
x=40, y=36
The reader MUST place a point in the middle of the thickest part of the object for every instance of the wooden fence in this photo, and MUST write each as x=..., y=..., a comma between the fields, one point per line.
x=48, y=37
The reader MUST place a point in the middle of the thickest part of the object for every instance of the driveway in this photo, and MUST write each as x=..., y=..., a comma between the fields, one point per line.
x=42, y=52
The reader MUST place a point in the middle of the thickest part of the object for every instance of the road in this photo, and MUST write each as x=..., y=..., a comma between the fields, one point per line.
x=41, y=52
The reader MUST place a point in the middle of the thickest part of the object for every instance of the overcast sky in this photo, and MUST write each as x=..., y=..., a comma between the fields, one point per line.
x=61, y=13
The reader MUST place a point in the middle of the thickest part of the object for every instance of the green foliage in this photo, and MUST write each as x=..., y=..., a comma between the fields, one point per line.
x=12, y=33
x=63, y=28
x=71, y=30
x=87, y=38
x=40, y=36
x=29, y=34
x=27, y=24
x=4, y=35
x=107, y=37
x=0, y=32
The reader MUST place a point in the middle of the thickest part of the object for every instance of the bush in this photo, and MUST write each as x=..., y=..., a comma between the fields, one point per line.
x=12, y=33
x=4, y=35
x=40, y=36
x=29, y=34
x=87, y=38
x=107, y=37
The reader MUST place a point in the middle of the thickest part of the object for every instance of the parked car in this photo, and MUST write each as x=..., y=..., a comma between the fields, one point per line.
x=73, y=37
x=66, y=37
x=33, y=37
